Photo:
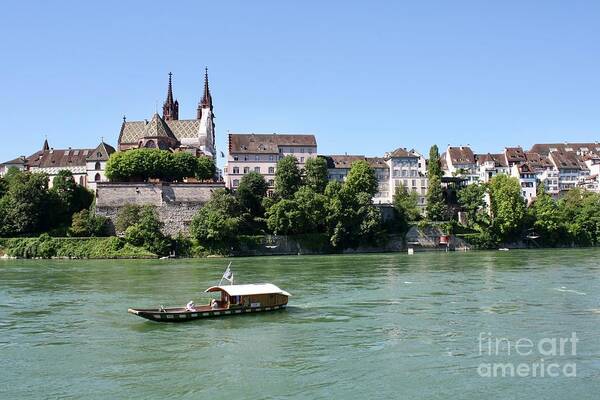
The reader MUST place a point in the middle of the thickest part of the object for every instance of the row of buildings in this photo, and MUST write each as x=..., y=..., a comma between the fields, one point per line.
x=559, y=167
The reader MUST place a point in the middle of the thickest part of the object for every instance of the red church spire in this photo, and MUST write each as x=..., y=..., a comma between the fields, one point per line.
x=170, y=107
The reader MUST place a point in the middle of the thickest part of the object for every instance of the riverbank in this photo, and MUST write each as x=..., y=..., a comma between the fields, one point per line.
x=71, y=248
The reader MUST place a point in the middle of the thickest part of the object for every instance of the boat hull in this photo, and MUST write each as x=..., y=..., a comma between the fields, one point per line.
x=185, y=316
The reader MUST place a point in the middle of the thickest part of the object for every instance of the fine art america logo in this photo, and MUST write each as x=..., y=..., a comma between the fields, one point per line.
x=546, y=357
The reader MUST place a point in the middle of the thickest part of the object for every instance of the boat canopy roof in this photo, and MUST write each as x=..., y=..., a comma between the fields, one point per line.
x=250, y=289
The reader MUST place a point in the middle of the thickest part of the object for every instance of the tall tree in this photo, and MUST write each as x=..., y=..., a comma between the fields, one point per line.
x=406, y=206
x=434, y=167
x=251, y=191
x=472, y=200
x=436, y=207
x=27, y=207
x=361, y=178
x=507, y=207
x=315, y=174
x=217, y=224
x=547, y=221
x=73, y=197
x=287, y=177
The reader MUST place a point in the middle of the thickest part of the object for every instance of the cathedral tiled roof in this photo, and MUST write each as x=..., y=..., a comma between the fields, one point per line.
x=133, y=131
x=158, y=128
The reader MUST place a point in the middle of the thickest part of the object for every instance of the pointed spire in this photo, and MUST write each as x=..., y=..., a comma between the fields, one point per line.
x=45, y=147
x=206, y=101
x=170, y=107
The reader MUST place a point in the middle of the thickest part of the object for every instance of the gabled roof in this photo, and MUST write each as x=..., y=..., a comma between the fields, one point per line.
x=342, y=161
x=267, y=142
x=133, y=131
x=461, y=155
x=538, y=161
x=377, y=162
x=247, y=290
x=498, y=159
x=22, y=160
x=514, y=155
x=157, y=127
x=102, y=152
x=546, y=148
x=62, y=158
x=566, y=160
x=401, y=152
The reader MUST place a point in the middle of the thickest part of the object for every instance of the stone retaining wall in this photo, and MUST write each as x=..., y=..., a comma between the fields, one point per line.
x=175, y=203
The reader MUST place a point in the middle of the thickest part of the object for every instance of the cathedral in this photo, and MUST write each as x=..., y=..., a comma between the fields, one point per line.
x=168, y=132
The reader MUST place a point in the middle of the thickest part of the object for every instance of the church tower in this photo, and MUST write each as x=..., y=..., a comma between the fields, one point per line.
x=206, y=117
x=170, y=107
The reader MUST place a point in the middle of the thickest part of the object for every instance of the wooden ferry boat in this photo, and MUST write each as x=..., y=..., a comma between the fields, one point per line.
x=235, y=300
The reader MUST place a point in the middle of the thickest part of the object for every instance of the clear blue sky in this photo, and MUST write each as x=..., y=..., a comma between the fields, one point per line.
x=365, y=77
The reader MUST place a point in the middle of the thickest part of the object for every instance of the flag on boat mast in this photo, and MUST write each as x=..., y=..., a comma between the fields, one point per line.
x=228, y=275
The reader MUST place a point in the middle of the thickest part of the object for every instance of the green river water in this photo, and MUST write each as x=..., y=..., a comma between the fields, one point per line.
x=385, y=326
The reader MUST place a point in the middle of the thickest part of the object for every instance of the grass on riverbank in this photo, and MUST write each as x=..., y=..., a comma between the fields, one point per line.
x=49, y=247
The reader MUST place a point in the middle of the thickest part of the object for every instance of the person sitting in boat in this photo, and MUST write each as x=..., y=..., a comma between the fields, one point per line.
x=190, y=306
x=214, y=304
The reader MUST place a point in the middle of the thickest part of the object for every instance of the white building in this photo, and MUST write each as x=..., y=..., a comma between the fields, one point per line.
x=398, y=168
x=86, y=165
x=460, y=161
x=260, y=153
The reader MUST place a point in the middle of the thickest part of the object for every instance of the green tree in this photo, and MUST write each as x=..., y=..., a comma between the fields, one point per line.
x=434, y=167
x=436, y=207
x=406, y=208
x=305, y=213
x=547, y=221
x=206, y=168
x=472, y=200
x=217, y=224
x=406, y=203
x=287, y=177
x=351, y=218
x=86, y=223
x=143, y=164
x=251, y=191
x=147, y=232
x=285, y=218
x=3, y=186
x=315, y=174
x=507, y=207
x=127, y=215
x=27, y=207
x=361, y=178
x=73, y=197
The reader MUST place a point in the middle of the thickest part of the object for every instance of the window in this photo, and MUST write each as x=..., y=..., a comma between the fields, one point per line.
x=271, y=158
x=97, y=167
x=246, y=170
x=302, y=150
x=97, y=178
x=301, y=159
x=257, y=158
x=271, y=182
x=271, y=170
x=236, y=182
x=257, y=169
x=236, y=170
x=235, y=158
x=292, y=150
